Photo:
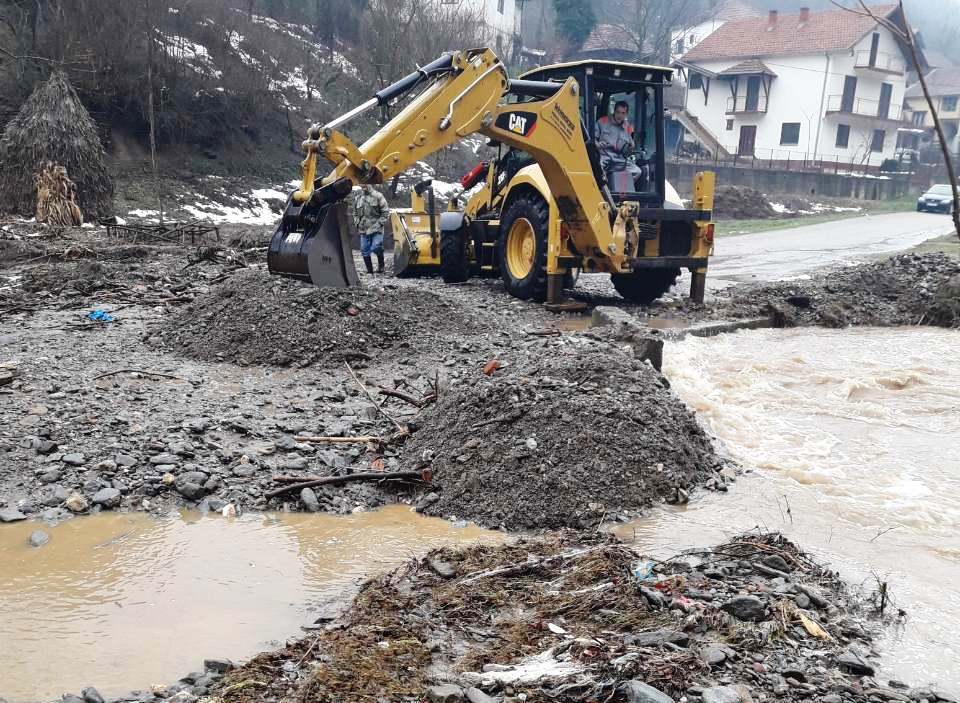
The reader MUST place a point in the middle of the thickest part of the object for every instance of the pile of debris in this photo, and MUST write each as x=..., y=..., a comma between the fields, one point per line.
x=567, y=438
x=586, y=619
x=254, y=318
x=741, y=203
x=908, y=289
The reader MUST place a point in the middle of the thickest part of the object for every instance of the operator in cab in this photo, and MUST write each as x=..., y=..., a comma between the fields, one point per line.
x=370, y=214
x=614, y=138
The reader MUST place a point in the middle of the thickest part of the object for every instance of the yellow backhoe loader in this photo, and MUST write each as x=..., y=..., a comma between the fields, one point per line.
x=549, y=205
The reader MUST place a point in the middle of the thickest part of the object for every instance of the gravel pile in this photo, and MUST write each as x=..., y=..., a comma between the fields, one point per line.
x=560, y=440
x=740, y=203
x=255, y=318
x=908, y=289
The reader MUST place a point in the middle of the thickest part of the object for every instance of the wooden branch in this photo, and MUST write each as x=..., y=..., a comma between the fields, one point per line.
x=347, y=478
x=400, y=428
x=407, y=397
x=366, y=439
x=145, y=373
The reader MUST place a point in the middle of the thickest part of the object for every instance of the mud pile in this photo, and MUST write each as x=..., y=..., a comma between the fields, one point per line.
x=588, y=619
x=562, y=439
x=909, y=289
x=741, y=203
x=255, y=318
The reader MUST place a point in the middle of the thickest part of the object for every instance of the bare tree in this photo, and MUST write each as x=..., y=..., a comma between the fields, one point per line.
x=649, y=24
x=906, y=36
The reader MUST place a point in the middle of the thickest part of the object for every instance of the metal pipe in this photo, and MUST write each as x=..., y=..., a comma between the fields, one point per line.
x=448, y=118
x=347, y=116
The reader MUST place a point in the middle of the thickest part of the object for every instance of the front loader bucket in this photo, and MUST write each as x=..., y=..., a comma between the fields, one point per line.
x=313, y=244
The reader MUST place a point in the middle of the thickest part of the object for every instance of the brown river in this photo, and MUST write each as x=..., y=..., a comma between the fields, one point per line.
x=849, y=439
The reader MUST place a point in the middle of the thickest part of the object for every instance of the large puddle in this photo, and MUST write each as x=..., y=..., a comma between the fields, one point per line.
x=852, y=436
x=124, y=601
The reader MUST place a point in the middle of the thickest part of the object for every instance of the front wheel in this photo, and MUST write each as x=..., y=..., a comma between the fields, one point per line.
x=454, y=257
x=522, y=248
x=646, y=285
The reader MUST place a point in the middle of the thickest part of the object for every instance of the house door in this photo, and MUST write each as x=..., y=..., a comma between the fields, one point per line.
x=748, y=141
x=753, y=93
x=849, y=93
x=886, y=91
x=874, y=45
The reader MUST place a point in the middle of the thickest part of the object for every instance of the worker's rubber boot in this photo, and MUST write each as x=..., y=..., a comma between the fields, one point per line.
x=369, y=264
x=379, y=262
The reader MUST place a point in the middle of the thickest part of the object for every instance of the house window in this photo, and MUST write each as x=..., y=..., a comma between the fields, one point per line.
x=729, y=125
x=843, y=136
x=879, y=136
x=500, y=6
x=790, y=134
x=692, y=39
x=679, y=49
x=949, y=103
x=919, y=118
x=696, y=81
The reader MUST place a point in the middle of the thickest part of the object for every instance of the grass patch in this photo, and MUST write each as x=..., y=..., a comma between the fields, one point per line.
x=726, y=228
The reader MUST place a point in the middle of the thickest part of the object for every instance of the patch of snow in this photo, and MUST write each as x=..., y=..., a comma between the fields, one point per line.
x=780, y=208
x=270, y=194
x=143, y=213
x=192, y=54
x=255, y=208
x=536, y=668
x=120, y=221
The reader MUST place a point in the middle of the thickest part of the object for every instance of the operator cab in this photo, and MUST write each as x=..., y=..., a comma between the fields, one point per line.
x=627, y=152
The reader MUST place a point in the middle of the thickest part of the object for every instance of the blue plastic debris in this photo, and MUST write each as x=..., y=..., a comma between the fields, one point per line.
x=100, y=316
x=643, y=570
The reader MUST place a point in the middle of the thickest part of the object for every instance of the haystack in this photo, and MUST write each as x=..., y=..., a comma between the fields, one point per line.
x=53, y=125
x=56, y=197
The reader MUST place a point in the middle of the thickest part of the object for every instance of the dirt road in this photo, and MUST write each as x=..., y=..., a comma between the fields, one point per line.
x=770, y=256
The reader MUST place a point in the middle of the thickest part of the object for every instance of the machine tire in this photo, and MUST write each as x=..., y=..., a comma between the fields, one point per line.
x=523, y=245
x=454, y=257
x=646, y=285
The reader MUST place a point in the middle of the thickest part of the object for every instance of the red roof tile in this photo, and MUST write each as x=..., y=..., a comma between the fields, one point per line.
x=823, y=31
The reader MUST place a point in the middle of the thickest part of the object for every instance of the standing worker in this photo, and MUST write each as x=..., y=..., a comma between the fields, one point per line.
x=370, y=215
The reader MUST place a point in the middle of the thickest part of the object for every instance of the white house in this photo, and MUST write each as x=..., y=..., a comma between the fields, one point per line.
x=686, y=36
x=824, y=86
x=502, y=22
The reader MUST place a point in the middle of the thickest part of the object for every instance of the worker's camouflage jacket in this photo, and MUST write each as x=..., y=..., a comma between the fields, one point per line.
x=370, y=211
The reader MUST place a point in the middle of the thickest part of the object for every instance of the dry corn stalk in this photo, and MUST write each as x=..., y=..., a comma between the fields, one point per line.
x=56, y=196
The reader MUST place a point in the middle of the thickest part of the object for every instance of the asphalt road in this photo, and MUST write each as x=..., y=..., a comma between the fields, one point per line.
x=788, y=253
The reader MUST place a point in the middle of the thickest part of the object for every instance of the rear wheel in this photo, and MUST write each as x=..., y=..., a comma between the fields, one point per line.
x=522, y=248
x=646, y=285
x=454, y=257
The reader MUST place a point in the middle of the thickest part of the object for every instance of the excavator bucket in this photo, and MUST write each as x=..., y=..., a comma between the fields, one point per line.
x=313, y=244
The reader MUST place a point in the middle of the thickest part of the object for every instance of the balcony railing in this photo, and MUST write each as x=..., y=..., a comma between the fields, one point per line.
x=742, y=103
x=863, y=108
x=882, y=62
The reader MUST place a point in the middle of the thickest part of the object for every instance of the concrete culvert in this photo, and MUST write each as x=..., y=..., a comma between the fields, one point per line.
x=566, y=439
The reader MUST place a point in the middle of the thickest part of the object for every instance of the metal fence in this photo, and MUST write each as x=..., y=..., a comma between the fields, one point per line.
x=788, y=160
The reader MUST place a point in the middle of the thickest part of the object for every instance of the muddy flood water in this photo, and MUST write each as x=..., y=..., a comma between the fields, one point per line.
x=124, y=601
x=851, y=437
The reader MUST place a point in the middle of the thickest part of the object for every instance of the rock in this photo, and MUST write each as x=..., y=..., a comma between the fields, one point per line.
x=11, y=515
x=852, y=662
x=164, y=458
x=46, y=446
x=76, y=503
x=639, y=692
x=831, y=698
x=107, y=497
x=775, y=561
x=746, y=608
x=656, y=637
x=713, y=656
x=475, y=695
x=653, y=597
x=74, y=459
x=425, y=502
x=51, y=476
x=125, y=460
x=91, y=695
x=309, y=499
x=38, y=538
x=55, y=496
x=802, y=600
x=443, y=569
x=190, y=484
x=219, y=666
x=182, y=697
x=446, y=693
x=721, y=694
x=70, y=698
